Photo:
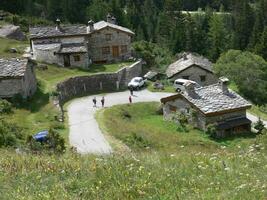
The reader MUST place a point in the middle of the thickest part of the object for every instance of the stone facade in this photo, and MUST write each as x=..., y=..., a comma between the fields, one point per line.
x=197, y=74
x=79, y=45
x=84, y=85
x=109, y=45
x=24, y=83
x=192, y=67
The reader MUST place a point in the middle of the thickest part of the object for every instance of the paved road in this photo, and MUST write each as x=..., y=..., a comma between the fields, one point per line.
x=254, y=119
x=85, y=134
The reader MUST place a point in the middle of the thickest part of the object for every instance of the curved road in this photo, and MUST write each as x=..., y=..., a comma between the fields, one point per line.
x=85, y=134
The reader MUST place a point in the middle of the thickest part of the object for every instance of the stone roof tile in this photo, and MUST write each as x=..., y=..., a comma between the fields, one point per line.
x=12, y=67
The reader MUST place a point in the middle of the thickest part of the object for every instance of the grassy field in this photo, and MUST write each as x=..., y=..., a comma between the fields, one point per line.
x=167, y=163
x=6, y=44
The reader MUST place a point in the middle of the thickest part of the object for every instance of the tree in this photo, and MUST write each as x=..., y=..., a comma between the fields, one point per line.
x=248, y=71
x=261, y=47
x=217, y=37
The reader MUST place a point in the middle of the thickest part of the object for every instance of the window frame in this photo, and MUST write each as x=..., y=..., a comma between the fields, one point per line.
x=203, y=78
x=77, y=58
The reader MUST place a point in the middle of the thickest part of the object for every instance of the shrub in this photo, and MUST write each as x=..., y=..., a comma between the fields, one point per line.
x=137, y=140
x=180, y=118
x=259, y=126
x=211, y=130
x=10, y=134
x=54, y=143
x=5, y=107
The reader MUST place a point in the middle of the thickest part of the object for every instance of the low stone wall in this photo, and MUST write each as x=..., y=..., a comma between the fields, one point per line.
x=84, y=85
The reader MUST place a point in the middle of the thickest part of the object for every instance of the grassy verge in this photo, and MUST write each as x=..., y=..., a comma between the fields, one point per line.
x=259, y=111
x=167, y=87
x=6, y=44
x=177, y=165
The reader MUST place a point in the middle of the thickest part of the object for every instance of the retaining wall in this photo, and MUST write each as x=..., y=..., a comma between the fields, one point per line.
x=84, y=85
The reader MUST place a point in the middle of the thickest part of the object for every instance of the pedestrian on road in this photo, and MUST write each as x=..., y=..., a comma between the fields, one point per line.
x=103, y=102
x=130, y=99
x=94, y=101
x=131, y=90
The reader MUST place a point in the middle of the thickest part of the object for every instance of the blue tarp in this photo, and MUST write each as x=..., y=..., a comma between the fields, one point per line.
x=41, y=136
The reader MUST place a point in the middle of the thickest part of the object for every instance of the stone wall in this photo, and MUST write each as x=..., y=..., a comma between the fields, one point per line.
x=84, y=85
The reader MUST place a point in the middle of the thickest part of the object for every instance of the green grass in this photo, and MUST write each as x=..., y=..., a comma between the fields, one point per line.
x=177, y=165
x=260, y=111
x=6, y=44
x=167, y=87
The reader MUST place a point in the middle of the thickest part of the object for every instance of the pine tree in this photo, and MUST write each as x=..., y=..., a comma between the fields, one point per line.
x=217, y=37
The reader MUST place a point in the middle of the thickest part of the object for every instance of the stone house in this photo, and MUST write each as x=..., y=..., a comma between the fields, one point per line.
x=17, y=76
x=81, y=45
x=214, y=104
x=192, y=67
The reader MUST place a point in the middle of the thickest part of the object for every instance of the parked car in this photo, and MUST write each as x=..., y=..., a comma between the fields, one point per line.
x=136, y=83
x=179, y=84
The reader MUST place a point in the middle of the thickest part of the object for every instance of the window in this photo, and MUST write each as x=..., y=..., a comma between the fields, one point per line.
x=202, y=78
x=172, y=108
x=186, y=77
x=108, y=37
x=105, y=50
x=77, y=58
x=124, y=49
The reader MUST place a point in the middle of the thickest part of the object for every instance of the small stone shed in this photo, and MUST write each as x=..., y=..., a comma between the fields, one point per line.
x=192, y=67
x=17, y=76
x=214, y=104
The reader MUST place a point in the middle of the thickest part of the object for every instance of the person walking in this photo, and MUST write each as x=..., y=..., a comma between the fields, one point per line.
x=131, y=91
x=94, y=101
x=130, y=99
x=103, y=102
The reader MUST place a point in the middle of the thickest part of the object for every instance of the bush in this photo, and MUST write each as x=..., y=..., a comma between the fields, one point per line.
x=5, y=107
x=54, y=143
x=180, y=118
x=259, y=126
x=211, y=130
x=137, y=141
x=10, y=134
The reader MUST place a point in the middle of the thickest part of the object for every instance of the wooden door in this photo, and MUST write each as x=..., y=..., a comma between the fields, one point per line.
x=66, y=60
x=115, y=51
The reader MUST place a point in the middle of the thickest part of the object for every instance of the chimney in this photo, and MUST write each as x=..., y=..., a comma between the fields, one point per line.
x=90, y=27
x=190, y=90
x=58, y=24
x=113, y=20
x=223, y=81
x=185, y=56
x=109, y=18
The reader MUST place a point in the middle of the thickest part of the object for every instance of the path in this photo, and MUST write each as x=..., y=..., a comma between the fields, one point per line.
x=85, y=134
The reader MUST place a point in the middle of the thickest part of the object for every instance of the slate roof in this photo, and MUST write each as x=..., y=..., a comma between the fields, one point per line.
x=69, y=30
x=13, y=67
x=191, y=59
x=73, y=48
x=103, y=24
x=211, y=99
x=47, y=47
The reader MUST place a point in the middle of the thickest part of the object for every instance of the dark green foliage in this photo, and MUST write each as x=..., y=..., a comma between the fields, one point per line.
x=54, y=143
x=211, y=130
x=248, y=71
x=5, y=107
x=259, y=126
x=10, y=134
x=137, y=141
x=154, y=55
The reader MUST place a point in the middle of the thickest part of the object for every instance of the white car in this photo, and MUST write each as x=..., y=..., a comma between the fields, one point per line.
x=136, y=83
x=179, y=84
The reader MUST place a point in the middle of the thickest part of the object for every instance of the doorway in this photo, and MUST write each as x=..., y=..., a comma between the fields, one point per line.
x=115, y=51
x=66, y=60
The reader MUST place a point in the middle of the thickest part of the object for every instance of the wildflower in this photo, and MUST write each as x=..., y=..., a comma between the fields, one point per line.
x=172, y=155
x=227, y=169
x=182, y=146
